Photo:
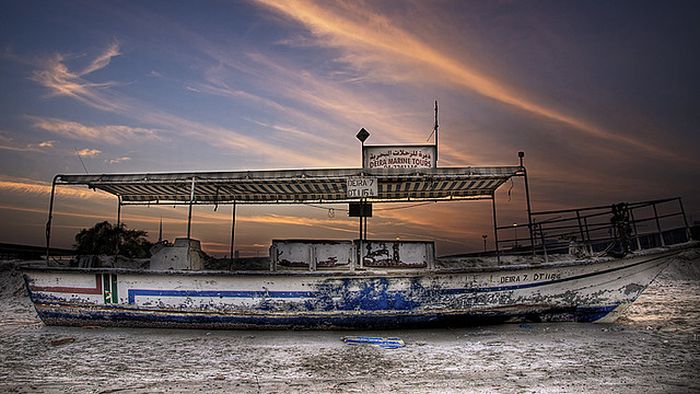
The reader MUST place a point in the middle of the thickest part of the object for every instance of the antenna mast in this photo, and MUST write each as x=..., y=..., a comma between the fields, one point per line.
x=435, y=130
x=81, y=159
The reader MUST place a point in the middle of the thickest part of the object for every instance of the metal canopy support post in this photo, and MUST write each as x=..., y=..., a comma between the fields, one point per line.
x=495, y=226
x=233, y=229
x=521, y=155
x=48, y=222
x=119, y=227
x=119, y=211
x=189, y=214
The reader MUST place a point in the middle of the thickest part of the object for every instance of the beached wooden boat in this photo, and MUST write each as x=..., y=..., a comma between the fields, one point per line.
x=572, y=265
x=574, y=290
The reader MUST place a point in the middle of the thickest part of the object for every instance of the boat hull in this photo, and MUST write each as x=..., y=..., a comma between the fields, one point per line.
x=588, y=291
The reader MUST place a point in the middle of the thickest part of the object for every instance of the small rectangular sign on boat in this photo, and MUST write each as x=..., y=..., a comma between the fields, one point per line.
x=362, y=186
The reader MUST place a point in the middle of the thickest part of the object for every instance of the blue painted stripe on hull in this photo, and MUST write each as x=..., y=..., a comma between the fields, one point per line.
x=133, y=293
x=120, y=317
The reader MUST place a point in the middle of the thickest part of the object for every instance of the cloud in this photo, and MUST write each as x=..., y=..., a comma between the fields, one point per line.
x=53, y=74
x=119, y=160
x=8, y=143
x=317, y=106
x=46, y=144
x=31, y=186
x=376, y=44
x=89, y=152
x=61, y=81
x=113, y=134
x=103, y=59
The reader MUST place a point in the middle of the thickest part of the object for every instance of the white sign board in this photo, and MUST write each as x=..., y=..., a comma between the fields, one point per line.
x=362, y=186
x=399, y=156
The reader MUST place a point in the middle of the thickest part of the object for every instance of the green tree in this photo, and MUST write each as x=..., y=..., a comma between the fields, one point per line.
x=103, y=238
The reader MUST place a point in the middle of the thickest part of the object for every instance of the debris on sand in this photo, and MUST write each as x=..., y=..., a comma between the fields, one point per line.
x=62, y=341
x=384, y=343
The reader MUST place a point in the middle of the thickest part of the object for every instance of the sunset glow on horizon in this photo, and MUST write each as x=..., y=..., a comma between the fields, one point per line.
x=602, y=97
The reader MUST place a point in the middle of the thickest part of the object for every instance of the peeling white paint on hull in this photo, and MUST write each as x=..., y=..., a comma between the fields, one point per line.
x=591, y=290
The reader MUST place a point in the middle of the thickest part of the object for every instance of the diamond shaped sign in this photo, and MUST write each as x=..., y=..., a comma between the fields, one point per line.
x=362, y=135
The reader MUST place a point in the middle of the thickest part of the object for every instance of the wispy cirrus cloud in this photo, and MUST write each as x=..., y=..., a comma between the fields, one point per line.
x=103, y=59
x=89, y=152
x=55, y=75
x=8, y=143
x=119, y=160
x=31, y=186
x=373, y=42
x=326, y=108
x=113, y=134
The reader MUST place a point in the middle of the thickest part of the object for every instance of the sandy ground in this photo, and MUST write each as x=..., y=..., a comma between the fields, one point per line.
x=655, y=347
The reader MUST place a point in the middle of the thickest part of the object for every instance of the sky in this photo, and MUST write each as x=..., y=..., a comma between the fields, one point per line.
x=601, y=96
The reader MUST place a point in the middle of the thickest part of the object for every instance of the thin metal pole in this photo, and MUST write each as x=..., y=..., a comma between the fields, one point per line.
x=48, y=222
x=363, y=154
x=119, y=211
x=365, y=231
x=636, y=231
x=119, y=225
x=580, y=226
x=588, y=235
x=658, y=225
x=437, y=146
x=495, y=226
x=685, y=220
x=360, y=222
x=233, y=228
x=544, y=245
x=529, y=206
x=189, y=214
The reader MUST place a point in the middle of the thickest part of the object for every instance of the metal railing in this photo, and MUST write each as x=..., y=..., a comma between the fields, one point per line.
x=614, y=229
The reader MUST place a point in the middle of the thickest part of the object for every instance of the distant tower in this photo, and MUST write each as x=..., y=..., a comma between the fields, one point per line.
x=160, y=230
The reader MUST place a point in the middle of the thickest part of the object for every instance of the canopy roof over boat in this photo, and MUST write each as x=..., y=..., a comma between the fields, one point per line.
x=298, y=186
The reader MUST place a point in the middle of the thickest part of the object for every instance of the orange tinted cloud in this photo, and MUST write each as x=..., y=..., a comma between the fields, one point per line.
x=103, y=59
x=23, y=185
x=372, y=38
x=113, y=134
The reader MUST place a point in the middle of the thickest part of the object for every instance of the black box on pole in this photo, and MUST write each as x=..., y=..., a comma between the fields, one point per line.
x=360, y=210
